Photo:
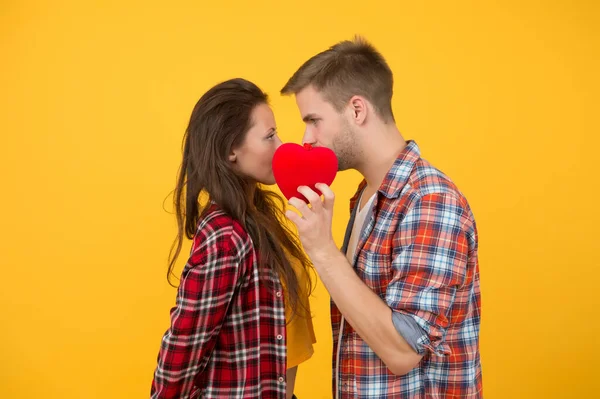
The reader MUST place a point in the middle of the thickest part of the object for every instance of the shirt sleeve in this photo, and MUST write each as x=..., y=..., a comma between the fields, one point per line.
x=429, y=265
x=410, y=330
x=207, y=285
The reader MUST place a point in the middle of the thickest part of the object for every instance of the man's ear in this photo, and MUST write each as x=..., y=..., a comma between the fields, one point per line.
x=359, y=109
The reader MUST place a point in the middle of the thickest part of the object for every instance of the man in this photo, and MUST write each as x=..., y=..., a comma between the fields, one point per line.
x=405, y=289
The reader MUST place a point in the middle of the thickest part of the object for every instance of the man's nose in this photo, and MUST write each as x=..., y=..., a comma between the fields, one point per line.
x=309, y=137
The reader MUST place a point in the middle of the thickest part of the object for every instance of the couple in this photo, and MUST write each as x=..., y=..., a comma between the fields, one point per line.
x=405, y=292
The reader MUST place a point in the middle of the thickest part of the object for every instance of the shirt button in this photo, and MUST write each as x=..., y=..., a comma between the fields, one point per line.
x=279, y=337
x=281, y=379
x=278, y=294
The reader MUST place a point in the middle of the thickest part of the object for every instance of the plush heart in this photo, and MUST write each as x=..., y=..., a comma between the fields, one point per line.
x=295, y=165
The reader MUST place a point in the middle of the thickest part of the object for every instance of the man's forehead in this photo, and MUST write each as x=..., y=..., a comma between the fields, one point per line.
x=309, y=97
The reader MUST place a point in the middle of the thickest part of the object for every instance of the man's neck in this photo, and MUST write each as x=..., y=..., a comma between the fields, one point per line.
x=378, y=159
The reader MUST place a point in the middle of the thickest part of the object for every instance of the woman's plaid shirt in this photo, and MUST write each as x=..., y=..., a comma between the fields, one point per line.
x=227, y=336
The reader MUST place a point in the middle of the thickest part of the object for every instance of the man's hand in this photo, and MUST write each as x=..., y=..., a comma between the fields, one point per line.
x=315, y=222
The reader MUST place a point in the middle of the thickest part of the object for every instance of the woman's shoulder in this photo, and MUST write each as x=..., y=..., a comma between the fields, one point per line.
x=219, y=246
x=217, y=228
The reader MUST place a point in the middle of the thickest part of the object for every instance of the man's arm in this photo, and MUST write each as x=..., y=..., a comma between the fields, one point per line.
x=368, y=314
x=430, y=265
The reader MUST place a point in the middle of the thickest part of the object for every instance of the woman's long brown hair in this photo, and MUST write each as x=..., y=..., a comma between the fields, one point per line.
x=219, y=122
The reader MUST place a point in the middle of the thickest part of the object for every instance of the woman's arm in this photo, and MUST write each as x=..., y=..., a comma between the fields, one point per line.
x=207, y=286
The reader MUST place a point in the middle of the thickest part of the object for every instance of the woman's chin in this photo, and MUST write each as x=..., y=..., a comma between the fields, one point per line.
x=269, y=181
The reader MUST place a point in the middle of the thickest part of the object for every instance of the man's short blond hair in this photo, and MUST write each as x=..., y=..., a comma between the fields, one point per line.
x=348, y=68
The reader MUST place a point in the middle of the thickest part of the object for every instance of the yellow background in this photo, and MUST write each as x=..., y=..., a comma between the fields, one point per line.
x=94, y=99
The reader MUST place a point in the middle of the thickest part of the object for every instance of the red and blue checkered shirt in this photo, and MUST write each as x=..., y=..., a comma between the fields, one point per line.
x=418, y=252
x=228, y=329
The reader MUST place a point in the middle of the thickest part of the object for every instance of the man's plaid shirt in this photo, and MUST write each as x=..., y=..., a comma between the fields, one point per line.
x=418, y=252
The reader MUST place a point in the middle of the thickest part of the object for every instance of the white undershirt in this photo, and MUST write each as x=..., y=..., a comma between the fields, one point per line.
x=359, y=221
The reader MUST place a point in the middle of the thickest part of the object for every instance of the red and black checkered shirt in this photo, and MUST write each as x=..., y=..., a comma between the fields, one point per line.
x=227, y=336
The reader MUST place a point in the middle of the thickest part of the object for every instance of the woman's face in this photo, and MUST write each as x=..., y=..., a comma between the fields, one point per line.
x=253, y=157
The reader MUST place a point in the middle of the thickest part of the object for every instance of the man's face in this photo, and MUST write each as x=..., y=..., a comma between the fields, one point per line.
x=326, y=127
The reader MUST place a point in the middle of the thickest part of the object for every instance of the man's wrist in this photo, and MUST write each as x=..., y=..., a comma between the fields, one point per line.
x=326, y=256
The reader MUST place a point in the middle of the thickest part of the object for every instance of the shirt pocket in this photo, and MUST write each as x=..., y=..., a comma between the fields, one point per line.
x=375, y=270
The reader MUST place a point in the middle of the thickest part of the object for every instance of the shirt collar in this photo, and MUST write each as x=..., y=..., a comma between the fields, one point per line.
x=397, y=176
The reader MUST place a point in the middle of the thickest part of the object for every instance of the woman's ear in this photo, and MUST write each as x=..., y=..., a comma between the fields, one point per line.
x=232, y=157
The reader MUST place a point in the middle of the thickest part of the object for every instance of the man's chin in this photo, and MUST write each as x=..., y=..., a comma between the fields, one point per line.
x=342, y=166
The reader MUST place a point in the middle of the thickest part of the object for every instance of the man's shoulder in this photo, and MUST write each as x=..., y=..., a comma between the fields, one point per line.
x=427, y=186
x=425, y=179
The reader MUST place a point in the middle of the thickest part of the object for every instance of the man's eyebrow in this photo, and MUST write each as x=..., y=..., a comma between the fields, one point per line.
x=308, y=117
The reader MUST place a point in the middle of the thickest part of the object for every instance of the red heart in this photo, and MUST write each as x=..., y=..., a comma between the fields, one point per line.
x=295, y=165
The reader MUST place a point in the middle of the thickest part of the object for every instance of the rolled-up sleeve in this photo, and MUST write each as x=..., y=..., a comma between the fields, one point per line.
x=410, y=330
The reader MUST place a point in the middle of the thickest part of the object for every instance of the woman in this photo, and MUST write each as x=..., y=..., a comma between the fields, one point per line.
x=228, y=332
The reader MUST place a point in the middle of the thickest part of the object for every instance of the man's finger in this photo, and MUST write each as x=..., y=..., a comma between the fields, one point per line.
x=301, y=206
x=328, y=195
x=295, y=218
x=312, y=197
